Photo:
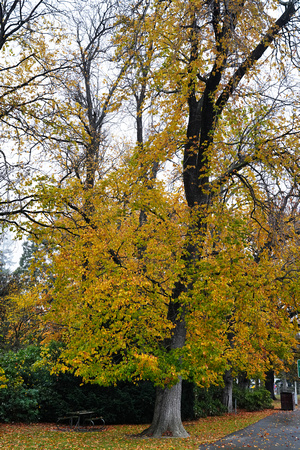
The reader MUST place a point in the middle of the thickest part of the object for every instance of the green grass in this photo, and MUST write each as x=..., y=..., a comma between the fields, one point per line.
x=48, y=437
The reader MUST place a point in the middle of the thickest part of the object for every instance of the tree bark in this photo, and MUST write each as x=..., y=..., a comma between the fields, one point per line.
x=167, y=413
x=284, y=383
x=243, y=381
x=269, y=383
x=227, y=392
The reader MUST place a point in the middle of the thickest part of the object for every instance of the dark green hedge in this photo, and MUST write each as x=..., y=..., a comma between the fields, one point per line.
x=255, y=399
x=208, y=402
x=32, y=394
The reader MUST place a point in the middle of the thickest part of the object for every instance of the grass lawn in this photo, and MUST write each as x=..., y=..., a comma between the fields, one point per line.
x=47, y=436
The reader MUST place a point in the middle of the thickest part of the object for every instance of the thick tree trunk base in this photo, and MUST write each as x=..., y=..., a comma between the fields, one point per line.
x=227, y=391
x=167, y=414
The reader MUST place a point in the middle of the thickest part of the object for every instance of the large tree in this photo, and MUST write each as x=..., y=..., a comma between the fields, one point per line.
x=218, y=54
x=150, y=283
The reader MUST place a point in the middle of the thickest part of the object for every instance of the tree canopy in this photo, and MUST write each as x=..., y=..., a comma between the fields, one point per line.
x=168, y=199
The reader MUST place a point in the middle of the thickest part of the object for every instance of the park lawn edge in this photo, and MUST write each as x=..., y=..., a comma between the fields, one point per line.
x=202, y=431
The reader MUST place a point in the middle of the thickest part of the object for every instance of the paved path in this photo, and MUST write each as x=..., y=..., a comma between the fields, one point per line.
x=280, y=431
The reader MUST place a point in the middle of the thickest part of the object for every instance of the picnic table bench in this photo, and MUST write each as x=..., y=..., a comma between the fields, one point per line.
x=78, y=418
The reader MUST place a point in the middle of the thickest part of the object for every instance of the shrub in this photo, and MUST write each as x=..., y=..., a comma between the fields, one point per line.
x=208, y=402
x=30, y=393
x=253, y=399
x=18, y=400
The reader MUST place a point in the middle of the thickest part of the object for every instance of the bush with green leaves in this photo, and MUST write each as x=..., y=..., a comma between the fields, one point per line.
x=208, y=402
x=30, y=393
x=19, y=400
x=255, y=399
x=33, y=394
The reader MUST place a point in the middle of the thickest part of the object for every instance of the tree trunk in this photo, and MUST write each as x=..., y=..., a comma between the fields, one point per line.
x=167, y=413
x=269, y=383
x=243, y=381
x=227, y=391
x=284, y=383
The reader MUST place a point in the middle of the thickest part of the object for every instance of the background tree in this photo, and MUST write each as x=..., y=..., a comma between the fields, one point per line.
x=22, y=322
x=5, y=287
x=26, y=62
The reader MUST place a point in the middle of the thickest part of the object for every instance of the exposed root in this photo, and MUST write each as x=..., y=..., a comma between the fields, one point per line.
x=148, y=434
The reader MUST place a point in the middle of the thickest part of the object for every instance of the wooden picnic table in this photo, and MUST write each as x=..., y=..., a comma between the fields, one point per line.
x=79, y=418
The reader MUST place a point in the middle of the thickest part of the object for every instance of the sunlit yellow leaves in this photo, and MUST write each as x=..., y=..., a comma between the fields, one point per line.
x=3, y=379
x=147, y=366
x=120, y=237
x=113, y=282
